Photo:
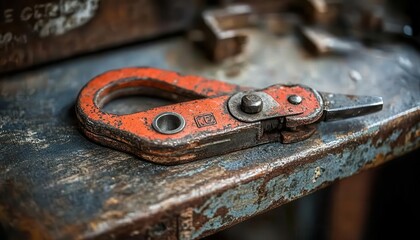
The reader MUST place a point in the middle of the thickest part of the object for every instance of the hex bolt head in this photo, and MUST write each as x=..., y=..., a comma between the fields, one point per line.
x=294, y=99
x=251, y=103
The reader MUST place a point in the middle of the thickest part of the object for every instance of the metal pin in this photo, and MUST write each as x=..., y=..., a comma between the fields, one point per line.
x=294, y=99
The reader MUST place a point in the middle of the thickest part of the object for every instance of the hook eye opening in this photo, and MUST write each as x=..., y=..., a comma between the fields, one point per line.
x=139, y=87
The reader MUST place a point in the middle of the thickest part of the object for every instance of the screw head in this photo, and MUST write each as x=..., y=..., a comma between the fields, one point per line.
x=251, y=103
x=294, y=99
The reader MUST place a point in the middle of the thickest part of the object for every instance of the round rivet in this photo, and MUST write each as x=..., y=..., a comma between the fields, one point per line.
x=168, y=123
x=251, y=103
x=294, y=99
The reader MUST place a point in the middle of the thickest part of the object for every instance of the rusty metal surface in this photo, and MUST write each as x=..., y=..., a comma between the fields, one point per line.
x=208, y=123
x=136, y=133
x=37, y=31
x=56, y=184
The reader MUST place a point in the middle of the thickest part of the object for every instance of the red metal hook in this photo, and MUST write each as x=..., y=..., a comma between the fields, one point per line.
x=208, y=124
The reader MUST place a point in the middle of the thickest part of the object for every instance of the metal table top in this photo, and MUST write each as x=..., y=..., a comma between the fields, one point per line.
x=54, y=183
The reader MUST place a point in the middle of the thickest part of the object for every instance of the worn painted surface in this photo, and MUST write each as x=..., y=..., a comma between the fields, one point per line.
x=38, y=31
x=56, y=184
x=199, y=138
x=263, y=192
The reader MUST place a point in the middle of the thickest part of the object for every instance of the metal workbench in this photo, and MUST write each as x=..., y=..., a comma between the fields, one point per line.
x=56, y=184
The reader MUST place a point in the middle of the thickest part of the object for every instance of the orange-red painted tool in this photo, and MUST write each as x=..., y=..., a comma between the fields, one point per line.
x=210, y=118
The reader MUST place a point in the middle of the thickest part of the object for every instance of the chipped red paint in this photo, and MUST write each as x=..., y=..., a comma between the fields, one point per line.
x=310, y=109
x=223, y=133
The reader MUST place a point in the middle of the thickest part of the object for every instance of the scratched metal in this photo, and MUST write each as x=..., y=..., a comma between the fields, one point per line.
x=55, y=184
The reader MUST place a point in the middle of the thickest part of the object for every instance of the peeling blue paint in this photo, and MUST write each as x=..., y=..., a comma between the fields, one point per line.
x=245, y=201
